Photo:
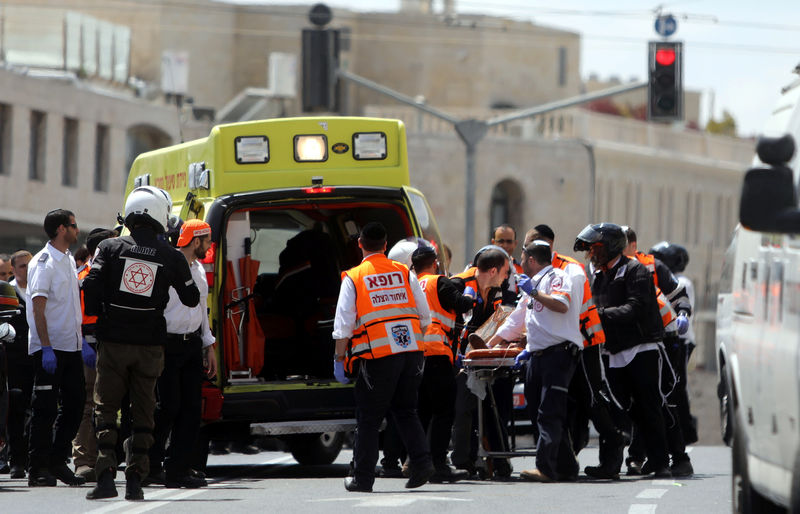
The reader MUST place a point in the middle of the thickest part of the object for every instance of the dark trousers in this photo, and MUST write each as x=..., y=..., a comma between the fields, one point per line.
x=178, y=410
x=679, y=353
x=21, y=371
x=437, y=397
x=637, y=386
x=388, y=385
x=546, y=393
x=122, y=369
x=56, y=409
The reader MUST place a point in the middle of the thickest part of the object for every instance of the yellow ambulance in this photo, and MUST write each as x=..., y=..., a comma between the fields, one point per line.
x=286, y=199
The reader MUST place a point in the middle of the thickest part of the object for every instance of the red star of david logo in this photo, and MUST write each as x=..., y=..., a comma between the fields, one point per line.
x=138, y=278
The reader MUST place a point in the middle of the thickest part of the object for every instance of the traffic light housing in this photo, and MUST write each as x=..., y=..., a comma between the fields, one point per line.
x=320, y=62
x=665, y=81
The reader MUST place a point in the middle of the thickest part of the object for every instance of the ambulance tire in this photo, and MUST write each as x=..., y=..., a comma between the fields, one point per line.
x=315, y=449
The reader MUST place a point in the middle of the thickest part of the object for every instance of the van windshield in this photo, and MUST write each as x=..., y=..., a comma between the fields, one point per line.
x=301, y=251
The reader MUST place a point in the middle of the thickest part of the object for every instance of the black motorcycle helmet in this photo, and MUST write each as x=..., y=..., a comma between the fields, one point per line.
x=608, y=240
x=675, y=256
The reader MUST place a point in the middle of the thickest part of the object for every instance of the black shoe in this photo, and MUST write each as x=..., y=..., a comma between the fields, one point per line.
x=354, y=487
x=105, y=487
x=63, y=473
x=662, y=472
x=154, y=478
x=445, y=473
x=419, y=477
x=390, y=472
x=634, y=467
x=197, y=474
x=41, y=478
x=4, y=467
x=502, y=469
x=682, y=469
x=601, y=473
x=17, y=471
x=133, y=487
x=186, y=481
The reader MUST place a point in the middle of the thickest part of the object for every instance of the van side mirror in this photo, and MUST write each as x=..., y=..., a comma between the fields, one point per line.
x=769, y=197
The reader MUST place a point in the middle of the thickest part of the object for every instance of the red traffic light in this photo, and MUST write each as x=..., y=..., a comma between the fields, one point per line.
x=665, y=56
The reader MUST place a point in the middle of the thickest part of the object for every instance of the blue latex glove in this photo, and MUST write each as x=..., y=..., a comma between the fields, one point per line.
x=469, y=291
x=459, y=363
x=521, y=357
x=524, y=283
x=338, y=372
x=682, y=323
x=89, y=355
x=49, y=359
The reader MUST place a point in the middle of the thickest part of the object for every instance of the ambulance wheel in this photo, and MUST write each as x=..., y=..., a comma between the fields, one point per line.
x=315, y=449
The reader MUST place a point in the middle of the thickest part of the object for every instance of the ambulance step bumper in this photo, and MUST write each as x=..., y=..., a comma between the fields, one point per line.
x=303, y=427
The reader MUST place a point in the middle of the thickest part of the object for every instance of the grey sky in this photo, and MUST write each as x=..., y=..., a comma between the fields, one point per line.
x=743, y=52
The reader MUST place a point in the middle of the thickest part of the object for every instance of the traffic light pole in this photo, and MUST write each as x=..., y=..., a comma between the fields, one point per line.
x=472, y=131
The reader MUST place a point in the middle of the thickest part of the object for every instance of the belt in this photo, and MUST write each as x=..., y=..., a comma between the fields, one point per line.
x=566, y=345
x=184, y=337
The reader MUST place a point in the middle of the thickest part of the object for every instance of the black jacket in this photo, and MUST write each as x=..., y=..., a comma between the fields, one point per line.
x=626, y=301
x=20, y=324
x=674, y=291
x=128, y=287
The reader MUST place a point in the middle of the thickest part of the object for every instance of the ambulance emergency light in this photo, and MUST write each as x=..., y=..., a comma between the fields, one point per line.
x=252, y=149
x=369, y=145
x=310, y=148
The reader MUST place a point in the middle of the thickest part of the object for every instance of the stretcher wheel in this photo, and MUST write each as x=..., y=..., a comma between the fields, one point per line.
x=494, y=353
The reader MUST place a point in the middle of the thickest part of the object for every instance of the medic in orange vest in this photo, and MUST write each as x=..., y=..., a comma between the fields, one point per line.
x=673, y=302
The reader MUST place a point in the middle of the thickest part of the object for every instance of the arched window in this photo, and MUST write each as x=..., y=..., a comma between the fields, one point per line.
x=507, y=206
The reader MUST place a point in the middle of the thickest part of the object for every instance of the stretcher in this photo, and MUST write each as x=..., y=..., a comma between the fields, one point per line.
x=484, y=367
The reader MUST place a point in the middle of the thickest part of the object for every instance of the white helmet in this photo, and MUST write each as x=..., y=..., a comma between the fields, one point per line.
x=148, y=204
x=402, y=250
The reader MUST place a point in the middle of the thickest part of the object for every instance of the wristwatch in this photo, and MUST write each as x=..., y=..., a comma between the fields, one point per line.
x=535, y=293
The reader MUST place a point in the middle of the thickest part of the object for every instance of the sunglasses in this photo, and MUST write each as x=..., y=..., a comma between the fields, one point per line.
x=504, y=241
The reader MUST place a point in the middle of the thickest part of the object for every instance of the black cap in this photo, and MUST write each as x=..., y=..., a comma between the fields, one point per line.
x=97, y=235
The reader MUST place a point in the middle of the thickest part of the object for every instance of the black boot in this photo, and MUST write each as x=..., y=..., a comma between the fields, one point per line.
x=133, y=487
x=105, y=487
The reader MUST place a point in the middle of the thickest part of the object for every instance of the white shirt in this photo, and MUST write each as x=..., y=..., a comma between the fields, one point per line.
x=344, y=323
x=545, y=327
x=686, y=282
x=184, y=320
x=624, y=357
x=52, y=274
x=578, y=277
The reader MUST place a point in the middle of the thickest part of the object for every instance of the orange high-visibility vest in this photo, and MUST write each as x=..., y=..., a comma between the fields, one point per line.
x=83, y=273
x=649, y=262
x=387, y=320
x=664, y=308
x=470, y=279
x=591, y=328
x=440, y=334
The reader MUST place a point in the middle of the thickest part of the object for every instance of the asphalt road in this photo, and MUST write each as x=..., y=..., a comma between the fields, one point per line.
x=273, y=482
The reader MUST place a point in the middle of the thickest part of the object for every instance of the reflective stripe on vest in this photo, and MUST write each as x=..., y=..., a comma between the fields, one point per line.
x=387, y=320
x=590, y=326
x=664, y=308
x=439, y=334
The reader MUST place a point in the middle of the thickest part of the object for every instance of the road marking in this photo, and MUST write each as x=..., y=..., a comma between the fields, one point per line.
x=154, y=505
x=392, y=500
x=666, y=482
x=120, y=502
x=642, y=508
x=651, y=493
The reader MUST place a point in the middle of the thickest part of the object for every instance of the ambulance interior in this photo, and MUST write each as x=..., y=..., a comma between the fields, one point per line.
x=301, y=251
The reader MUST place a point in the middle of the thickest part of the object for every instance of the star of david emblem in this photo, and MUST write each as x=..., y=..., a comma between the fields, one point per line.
x=138, y=278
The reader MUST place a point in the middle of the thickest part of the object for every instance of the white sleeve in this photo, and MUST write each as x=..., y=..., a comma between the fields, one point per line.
x=344, y=323
x=421, y=301
x=512, y=327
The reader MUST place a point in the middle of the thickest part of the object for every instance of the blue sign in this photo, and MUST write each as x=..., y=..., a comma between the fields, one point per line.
x=666, y=25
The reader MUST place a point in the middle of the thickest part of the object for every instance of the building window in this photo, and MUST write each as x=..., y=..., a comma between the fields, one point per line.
x=69, y=163
x=101, y=158
x=37, y=148
x=507, y=205
x=5, y=139
x=562, y=66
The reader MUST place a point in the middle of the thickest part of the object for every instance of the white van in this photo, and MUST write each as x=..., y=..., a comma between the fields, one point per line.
x=758, y=323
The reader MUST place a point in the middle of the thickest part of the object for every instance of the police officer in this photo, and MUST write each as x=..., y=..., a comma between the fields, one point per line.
x=626, y=301
x=179, y=387
x=553, y=340
x=381, y=315
x=54, y=341
x=128, y=289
